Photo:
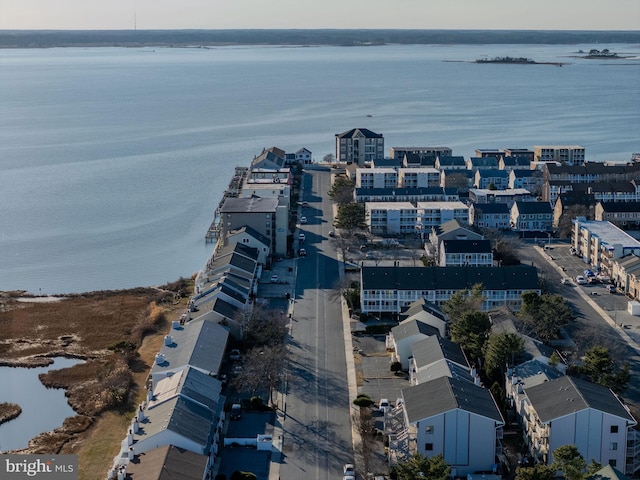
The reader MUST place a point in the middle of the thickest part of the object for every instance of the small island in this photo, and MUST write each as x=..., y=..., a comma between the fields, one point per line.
x=9, y=411
x=516, y=60
x=600, y=54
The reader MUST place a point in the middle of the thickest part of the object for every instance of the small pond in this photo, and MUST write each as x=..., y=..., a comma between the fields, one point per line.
x=43, y=409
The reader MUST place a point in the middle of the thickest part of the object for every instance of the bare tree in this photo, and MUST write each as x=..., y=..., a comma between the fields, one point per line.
x=263, y=367
x=362, y=419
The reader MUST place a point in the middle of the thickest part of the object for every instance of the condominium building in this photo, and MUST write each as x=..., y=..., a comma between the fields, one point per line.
x=359, y=145
x=600, y=243
x=376, y=178
x=567, y=154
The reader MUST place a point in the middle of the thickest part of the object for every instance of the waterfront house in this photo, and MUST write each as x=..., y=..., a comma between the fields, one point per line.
x=264, y=215
x=359, y=145
x=168, y=462
x=199, y=343
x=272, y=158
x=248, y=236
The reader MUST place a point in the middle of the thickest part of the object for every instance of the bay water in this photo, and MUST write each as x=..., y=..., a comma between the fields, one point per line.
x=113, y=160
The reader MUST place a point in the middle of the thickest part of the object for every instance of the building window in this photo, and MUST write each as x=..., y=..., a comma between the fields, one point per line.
x=428, y=447
x=613, y=462
x=428, y=429
x=613, y=446
x=614, y=428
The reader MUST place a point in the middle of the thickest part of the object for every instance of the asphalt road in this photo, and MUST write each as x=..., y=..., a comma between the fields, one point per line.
x=316, y=428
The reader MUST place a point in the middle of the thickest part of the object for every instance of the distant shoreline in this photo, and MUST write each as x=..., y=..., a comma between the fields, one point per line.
x=294, y=37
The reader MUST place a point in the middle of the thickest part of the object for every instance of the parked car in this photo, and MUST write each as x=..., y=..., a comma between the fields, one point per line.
x=384, y=405
x=274, y=278
x=349, y=469
x=611, y=288
x=589, y=273
x=303, y=220
x=580, y=280
x=234, y=355
x=305, y=204
x=236, y=412
x=301, y=238
x=332, y=233
x=302, y=252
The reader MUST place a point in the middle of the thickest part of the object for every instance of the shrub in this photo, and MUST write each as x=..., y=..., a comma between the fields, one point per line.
x=396, y=366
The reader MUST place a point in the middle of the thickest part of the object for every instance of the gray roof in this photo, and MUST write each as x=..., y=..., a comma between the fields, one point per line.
x=467, y=246
x=453, y=226
x=608, y=473
x=168, y=463
x=253, y=232
x=414, y=191
x=422, y=305
x=193, y=384
x=387, y=162
x=409, y=328
x=490, y=208
x=463, y=172
x=632, y=207
x=249, y=205
x=602, y=187
x=492, y=173
x=526, y=173
x=593, y=168
x=200, y=343
x=224, y=308
x=445, y=160
x=182, y=416
x=515, y=160
x=520, y=277
x=567, y=395
x=489, y=161
x=533, y=207
x=433, y=349
x=365, y=131
x=534, y=372
x=445, y=394
x=443, y=368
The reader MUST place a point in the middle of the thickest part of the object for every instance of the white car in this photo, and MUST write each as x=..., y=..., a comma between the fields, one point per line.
x=274, y=278
x=580, y=280
x=384, y=405
x=349, y=470
x=301, y=238
x=303, y=220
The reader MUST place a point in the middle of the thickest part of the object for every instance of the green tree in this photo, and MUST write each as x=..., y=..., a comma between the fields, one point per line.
x=342, y=190
x=351, y=216
x=537, y=472
x=363, y=401
x=570, y=462
x=505, y=253
x=419, y=466
x=502, y=349
x=599, y=367
x=463, y=302
x=545, y=314
x=471, y=332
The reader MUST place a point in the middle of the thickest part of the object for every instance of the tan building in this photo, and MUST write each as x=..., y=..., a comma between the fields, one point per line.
x=264, y=215
x=567, y=154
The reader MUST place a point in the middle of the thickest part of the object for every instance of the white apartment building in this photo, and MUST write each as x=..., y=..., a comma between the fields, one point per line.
x=391, y=218
x=568, y=154
x=431, y=214
x=418, y=177
x=376, y=178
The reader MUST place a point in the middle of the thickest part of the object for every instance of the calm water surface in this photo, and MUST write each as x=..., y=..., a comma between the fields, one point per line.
x=113, y=160
x=43, y=409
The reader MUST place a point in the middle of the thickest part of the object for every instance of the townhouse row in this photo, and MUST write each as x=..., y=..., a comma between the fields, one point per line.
x=447, y=411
